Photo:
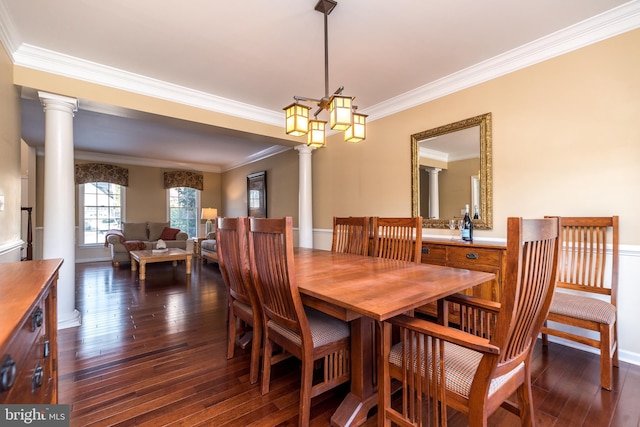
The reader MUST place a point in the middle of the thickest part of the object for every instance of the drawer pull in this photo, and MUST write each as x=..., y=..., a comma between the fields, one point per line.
x=426, y=251
x=8, y=373
x=472, y=255
x=46, y=349
x=36, y=319
x=37, y=379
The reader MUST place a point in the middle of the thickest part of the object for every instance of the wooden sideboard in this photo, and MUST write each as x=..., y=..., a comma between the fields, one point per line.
x=28, y=332
x=480, y=256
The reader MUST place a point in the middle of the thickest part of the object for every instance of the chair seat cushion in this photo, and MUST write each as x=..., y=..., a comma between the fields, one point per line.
x=209, y=245
x=240, y=306
x=325, y=329
x=461, y=364
x=585, y=308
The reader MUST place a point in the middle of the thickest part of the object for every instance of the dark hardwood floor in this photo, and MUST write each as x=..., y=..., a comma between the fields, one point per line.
x=155, y=355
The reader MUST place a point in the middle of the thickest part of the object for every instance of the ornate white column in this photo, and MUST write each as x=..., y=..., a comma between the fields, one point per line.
x=59, y=237
x=305, y=200
x=434, y=194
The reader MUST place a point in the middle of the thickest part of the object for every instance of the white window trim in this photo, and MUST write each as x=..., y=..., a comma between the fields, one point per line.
x=80, y=208
x=198, y=209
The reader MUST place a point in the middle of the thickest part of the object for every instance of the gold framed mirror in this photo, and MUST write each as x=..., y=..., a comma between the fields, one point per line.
x=451, y=166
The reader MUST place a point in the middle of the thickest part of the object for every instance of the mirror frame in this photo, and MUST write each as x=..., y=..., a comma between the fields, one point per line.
x=486, y=173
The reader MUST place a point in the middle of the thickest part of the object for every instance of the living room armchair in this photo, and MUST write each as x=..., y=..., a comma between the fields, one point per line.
x=209, y=247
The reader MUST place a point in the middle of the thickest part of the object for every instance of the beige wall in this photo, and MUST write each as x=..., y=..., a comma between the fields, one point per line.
x=282, y=186
x=10, y=173
x=566, y=141
x=146, y=197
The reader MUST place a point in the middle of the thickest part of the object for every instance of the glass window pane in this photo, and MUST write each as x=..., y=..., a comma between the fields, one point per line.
x=183, y=209
x=101, y=210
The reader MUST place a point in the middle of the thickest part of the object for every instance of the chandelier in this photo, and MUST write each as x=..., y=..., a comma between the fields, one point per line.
x=342, y=112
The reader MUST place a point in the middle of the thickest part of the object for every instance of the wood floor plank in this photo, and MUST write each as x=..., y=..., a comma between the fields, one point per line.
x=154, y=353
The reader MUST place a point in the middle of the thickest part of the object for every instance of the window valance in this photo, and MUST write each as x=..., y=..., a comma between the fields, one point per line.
x=183, y=179
x=100, y=172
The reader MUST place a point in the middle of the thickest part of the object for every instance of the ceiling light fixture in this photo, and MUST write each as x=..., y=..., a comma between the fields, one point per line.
x=342, y=112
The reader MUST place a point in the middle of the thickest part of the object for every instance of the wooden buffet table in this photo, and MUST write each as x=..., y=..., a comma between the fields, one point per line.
x=364, y=289
x=28, y=332
x=477, y=255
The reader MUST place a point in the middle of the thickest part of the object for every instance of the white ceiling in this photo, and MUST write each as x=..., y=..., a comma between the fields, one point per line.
x=248, y=58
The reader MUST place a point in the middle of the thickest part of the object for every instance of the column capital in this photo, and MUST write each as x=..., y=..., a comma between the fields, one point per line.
x=51, y=100
x=304, y=149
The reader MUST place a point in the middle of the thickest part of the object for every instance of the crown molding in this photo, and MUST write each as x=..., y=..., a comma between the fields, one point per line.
x=261, y=155
x=608, y=24
x=8, y=33
x=149, y=162
x=36, y=58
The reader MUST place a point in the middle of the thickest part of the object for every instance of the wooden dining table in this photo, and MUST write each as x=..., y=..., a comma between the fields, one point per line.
x=365, y=290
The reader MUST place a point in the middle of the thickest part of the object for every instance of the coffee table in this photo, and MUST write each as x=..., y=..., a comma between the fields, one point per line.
x=148, y=256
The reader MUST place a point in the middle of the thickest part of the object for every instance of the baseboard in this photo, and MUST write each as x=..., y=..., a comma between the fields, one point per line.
x=99, y=259
x=624, y=356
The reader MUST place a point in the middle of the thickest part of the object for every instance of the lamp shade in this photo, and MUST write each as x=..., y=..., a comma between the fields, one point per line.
x=357, y=131
x=297, y=119
x=316, y=133
x=209, y=213
x=340, y=112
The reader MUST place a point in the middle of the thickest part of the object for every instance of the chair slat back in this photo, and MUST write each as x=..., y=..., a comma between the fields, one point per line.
x=532, y=258
x=398, y=238
x=351, y=235
x=273, y=271
x=233, y=259
x=589, y=256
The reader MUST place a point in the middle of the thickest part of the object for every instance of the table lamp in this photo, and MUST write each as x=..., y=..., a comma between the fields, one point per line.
x=209, y=214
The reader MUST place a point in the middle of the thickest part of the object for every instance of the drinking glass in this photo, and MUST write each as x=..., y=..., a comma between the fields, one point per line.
x=461, y=227
x=452, y=227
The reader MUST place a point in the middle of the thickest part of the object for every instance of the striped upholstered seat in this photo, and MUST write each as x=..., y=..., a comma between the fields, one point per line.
x=439, y=366
x=325, y=329
x=240, y=306
x=305, y=333
x=585, y=308
x=461, y=364
x=588, y=289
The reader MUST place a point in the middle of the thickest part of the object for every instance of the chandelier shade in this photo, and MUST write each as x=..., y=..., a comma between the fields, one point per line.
x=357, y=132
x=342, y=115
x=316, y=133
x=340, y=112
x=297, y=119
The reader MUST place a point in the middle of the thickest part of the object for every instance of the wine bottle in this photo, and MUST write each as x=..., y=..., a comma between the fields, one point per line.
x=467, y=231
x=476, y=213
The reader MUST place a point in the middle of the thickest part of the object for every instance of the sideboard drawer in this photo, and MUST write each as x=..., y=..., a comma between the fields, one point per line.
x=434, y=254
x=28, y=344
x=487, y=257
x=33, y=382
x=468, y=257
x=25, y=337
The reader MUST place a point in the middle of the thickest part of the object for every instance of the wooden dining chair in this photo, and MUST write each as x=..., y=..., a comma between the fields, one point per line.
x=437, y=366
x=303, y=332
x=351, y=235
x=397, y=238
x=244, y=313
x=589, y=272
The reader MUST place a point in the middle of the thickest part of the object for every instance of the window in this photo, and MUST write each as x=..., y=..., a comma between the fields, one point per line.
x=101, y=206
x=183, y=209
